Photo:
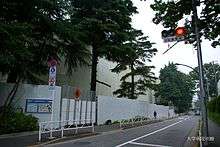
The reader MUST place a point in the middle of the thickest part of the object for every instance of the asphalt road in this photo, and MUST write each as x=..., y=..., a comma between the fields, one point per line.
x=173, y=132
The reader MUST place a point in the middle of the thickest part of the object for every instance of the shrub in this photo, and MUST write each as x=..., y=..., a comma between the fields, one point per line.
x=108, y=122
x=115, y=122
x=214, y=105
x=12, y=122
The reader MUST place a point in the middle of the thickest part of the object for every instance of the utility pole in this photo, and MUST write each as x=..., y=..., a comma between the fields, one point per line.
x=201, y=74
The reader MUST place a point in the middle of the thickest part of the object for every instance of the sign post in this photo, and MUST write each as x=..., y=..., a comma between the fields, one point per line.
x=77, y=94
x=52, y=85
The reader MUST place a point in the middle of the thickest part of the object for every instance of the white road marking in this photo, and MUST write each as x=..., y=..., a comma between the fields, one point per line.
x=146, y=144
x=148, y=134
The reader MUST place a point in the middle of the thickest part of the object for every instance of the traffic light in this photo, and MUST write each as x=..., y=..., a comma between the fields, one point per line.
x=180, y=31
x=171, y=35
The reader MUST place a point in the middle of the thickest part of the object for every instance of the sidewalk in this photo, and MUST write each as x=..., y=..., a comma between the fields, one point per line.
x=31, y=138
x=214, y=131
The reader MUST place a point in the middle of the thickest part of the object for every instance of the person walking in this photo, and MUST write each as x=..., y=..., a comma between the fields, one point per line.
x=155, y=115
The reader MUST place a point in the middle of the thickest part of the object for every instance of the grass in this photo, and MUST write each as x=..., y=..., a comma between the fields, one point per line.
x=215, y=117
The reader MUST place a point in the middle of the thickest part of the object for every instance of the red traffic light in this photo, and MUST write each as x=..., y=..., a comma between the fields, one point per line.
x=180, y=31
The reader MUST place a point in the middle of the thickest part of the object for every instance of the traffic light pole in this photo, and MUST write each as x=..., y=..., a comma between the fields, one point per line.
x=201, y=74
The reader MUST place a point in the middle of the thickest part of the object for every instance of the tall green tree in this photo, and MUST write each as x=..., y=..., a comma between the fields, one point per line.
x=169, y=13
x=33, y=32
x=106, y=24
x=138, y=51
x=176, y=87
x=211, y=75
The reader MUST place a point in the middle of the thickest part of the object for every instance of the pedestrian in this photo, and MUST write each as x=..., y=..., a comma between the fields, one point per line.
x=155, y=114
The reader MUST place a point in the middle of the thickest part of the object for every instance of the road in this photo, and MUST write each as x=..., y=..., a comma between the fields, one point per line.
x=173, y=132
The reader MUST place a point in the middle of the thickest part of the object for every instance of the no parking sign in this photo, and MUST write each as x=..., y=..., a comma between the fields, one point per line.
x=52, y=74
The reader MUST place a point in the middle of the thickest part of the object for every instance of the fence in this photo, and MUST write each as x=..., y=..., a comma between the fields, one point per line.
x=74, y=113
x=61, y=126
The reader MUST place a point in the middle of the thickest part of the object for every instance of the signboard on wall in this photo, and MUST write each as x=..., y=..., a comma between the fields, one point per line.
x=38, y=106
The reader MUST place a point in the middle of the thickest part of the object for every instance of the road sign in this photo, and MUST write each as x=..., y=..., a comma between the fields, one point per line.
x=52, y=78
x=52, y=74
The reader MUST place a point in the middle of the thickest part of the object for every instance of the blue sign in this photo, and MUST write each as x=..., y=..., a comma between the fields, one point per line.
x=38, y=106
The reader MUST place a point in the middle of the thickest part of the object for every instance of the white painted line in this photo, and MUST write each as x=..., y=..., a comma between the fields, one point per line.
x=148, y=134
x=146, y=144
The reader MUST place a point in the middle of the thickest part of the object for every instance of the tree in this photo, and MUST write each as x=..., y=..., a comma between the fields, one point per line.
x=138, y=50
x=33, y=32
x=106, y=24
x=176, y=87
x=169, y=13
x=212, y=76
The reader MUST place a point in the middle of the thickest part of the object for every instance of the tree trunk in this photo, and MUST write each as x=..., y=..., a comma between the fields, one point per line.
x=132, y=82
x=10, y=97
x=12, y=77
x=93, y=80
x=94, y=68
x=12, y=93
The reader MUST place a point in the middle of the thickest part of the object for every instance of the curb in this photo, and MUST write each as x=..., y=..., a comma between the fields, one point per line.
x=20, y=134
x=65, y=138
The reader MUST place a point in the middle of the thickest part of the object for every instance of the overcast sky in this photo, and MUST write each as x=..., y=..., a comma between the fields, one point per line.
x=181, y=53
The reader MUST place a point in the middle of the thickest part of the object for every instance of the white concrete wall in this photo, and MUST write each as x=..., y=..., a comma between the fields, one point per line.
x=28, y=91
x=110, y=108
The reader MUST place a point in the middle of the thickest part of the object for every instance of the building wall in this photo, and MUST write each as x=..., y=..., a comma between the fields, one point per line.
x=81, y=78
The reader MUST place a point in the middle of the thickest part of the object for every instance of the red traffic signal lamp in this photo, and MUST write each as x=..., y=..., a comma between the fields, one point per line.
x=178, y=34
x=180, y=31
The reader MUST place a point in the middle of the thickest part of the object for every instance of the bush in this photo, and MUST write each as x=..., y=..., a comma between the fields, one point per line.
x=214, y=109
x=13, y=122
x=214, y=105
x=108, y=122
x=115, y=122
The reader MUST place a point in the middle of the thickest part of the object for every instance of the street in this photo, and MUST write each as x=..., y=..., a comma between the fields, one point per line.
x=172, y=132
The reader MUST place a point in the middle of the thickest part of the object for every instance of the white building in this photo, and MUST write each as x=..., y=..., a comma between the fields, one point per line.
x=81, y=78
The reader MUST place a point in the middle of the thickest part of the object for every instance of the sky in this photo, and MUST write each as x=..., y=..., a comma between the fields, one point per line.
x=181, y=53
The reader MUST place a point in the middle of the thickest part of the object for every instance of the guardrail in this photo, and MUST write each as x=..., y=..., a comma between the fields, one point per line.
x=61, y=126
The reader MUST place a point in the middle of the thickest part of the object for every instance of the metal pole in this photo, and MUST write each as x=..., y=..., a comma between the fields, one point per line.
x=96, y=109
x=91, y=96
x=74, y=113
x=201, y=75
x=86, y=108
x=80, y=112
x=52, y=111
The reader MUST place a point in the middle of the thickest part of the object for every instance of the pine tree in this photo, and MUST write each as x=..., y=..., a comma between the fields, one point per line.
x=138, y=51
